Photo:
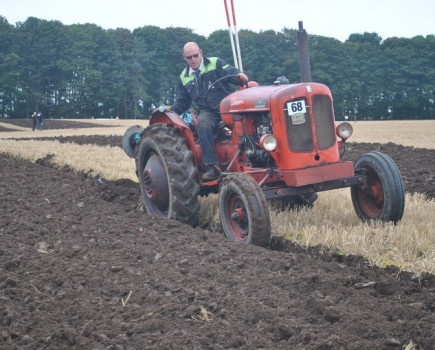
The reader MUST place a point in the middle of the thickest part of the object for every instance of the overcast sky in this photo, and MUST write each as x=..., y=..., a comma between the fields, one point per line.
x=331, y=18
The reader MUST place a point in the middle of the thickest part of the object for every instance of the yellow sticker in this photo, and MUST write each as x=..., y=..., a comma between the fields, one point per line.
x=298, y=118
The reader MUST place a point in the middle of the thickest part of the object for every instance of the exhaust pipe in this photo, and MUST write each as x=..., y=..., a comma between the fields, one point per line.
x=304, y=57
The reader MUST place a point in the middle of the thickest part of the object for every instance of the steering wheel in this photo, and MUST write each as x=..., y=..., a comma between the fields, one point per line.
x=223, y=88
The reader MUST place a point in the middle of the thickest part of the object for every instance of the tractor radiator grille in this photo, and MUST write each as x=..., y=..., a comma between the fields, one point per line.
x=299, y=130
x=299, y=134
x=322, y=109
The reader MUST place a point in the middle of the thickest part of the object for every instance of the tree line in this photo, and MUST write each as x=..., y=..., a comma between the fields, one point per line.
x=84, y=71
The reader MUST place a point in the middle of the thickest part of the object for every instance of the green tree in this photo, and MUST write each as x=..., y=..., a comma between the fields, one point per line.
x=263, y=55
x=159, y=53
x=364, y=57
x=85, y=71
x=9, y=70
x=329, y=64
x=131, y=84
x=410, y=70
x=95, y=85
x=218, y=45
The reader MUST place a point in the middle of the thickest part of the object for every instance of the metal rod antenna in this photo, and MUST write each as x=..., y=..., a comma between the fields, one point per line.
x=237, y=38
x=236, y=64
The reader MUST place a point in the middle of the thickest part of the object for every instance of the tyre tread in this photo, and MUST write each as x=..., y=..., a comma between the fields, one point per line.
x=393, y=186
x=180, y=170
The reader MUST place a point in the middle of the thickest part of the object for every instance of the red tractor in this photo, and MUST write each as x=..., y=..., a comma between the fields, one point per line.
x=277, y=143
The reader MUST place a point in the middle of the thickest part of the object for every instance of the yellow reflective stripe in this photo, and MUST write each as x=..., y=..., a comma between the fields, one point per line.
x=207, y=68
x=185, y=80
x=211, y=66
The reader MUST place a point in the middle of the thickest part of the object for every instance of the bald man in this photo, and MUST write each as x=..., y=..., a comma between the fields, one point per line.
x=200, y=73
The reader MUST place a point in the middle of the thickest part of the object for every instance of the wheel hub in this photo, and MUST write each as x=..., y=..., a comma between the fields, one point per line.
x=375, y=192
x=155, y=183
x=372, y=196
x=236, y=212
x=238, y=215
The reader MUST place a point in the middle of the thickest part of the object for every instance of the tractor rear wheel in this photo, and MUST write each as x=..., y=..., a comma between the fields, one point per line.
x=167, y=177
x=382, y=196
x=243, y=210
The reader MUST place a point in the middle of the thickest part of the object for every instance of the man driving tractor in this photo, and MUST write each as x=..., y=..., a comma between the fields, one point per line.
x=193, y=84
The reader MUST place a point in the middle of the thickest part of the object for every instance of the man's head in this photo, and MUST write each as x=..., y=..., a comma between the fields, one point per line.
x=193, y=55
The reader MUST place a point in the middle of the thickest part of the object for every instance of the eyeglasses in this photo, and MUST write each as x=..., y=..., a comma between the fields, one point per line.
x=194, y=56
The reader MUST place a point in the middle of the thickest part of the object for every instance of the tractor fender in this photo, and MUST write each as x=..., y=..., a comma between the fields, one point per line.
x=169, y=117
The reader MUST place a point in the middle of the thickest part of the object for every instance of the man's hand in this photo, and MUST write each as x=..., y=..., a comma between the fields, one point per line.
x=242, y=77
x=161, y=109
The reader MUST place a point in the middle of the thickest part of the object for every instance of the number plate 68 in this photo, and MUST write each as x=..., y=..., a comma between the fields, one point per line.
x=296, y=107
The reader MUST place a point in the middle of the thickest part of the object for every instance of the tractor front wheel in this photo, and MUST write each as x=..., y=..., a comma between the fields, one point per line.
x=382, y=196
x=130, y=139
x=167, y=176
x=243, y=210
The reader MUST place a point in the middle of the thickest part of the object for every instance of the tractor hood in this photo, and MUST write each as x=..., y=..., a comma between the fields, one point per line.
x=262, y=98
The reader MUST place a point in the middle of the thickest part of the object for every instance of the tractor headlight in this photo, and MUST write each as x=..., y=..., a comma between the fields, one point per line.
x=268, y=142
x=344, y=130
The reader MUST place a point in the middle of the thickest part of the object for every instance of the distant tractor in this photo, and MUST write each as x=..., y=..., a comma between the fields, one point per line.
x=277, y=142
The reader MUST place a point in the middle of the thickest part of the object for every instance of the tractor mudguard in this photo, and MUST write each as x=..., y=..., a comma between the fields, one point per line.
x=169, y=117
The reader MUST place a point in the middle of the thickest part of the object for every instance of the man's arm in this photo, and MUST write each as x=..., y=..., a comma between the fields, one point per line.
x=183, y=100
x=226, y=69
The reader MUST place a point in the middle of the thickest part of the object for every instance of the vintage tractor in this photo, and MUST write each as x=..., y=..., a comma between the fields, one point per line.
x=277, y=142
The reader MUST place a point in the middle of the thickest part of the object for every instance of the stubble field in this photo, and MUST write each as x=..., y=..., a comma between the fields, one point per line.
x=83, y=266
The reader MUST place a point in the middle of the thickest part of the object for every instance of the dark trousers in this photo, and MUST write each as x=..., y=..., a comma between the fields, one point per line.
x=207, y=123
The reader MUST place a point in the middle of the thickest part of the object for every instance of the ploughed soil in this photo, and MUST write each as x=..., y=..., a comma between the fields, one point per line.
x=82, y=266
x=49, y=124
